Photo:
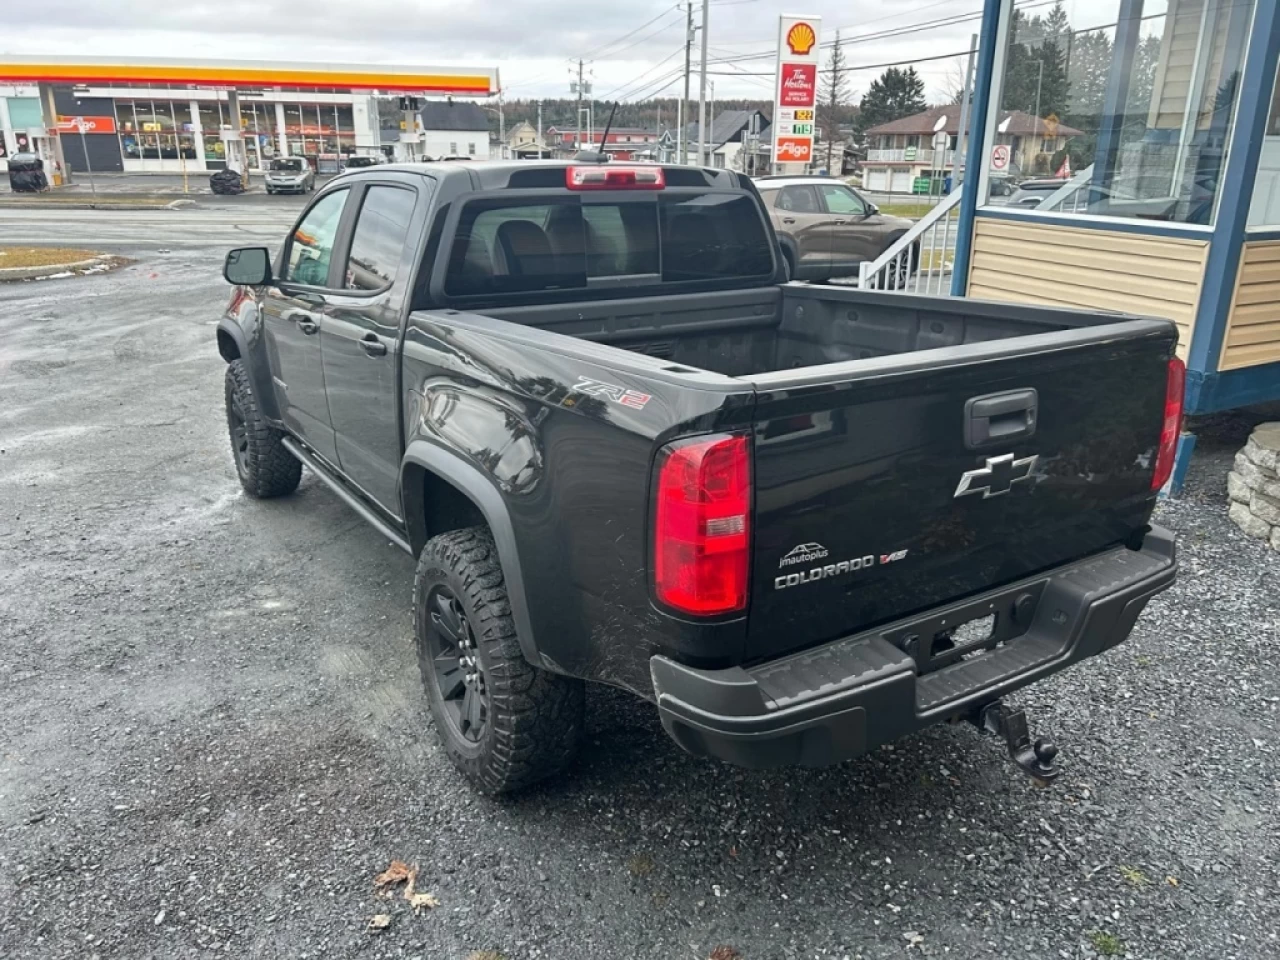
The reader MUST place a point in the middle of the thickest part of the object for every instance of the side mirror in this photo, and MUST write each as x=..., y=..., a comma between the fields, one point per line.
x=872, y=209
x=248, y=267
x=784, y=263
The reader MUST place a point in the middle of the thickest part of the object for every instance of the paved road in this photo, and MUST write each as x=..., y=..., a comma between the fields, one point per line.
x=143, y=229
x=212, y=735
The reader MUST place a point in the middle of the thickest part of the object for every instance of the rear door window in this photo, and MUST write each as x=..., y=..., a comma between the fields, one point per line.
x=377, y=244
x=799, y=200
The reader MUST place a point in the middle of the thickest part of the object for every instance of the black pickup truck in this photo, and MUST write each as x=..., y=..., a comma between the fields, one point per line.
x=800, y=520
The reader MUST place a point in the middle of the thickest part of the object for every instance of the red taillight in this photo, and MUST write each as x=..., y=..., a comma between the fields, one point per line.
x=702, y=528
x=605, y=177
x=1172, y=427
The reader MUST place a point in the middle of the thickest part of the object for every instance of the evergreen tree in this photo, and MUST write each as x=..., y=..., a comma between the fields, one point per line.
x=893, y=95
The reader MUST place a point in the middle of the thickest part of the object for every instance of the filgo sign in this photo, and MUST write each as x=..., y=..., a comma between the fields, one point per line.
x=796, y=93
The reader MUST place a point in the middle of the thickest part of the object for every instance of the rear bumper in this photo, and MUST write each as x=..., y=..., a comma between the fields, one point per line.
x=849, y=696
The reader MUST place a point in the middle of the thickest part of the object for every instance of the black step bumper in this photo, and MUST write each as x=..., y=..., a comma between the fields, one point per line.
x=846, y=697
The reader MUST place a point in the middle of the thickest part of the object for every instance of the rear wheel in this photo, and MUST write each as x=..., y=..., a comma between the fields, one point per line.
x=505, y=724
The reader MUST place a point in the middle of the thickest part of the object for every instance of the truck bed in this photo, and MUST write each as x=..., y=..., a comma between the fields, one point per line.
x=766, y=330
x=876, y=445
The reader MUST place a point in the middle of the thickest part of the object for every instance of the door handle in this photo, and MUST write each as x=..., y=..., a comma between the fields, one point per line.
x=840, y=223
x=372, y=346
x=788, y=219
x=306, y=322
x=998, y=418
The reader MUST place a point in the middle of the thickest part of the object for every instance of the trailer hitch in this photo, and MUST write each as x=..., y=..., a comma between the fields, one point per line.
x=1035, y=759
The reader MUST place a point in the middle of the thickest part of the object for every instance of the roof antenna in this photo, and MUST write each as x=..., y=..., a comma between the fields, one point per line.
x=598, y=156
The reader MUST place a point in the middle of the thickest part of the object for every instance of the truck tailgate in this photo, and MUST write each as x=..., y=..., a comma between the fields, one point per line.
x=891, y=485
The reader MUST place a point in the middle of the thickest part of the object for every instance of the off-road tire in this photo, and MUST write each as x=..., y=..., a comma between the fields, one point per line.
x=264, y=466
x=535, y=718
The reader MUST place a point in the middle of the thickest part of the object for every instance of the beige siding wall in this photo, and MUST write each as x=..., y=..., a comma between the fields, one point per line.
x=1176, y=68
x=1253, y=328
x=1091, y=269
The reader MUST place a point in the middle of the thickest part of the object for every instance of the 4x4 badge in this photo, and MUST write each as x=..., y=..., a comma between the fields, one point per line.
x=997, y=477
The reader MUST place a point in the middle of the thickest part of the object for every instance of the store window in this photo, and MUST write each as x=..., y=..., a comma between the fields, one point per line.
x=213, y=115
x=1264, y=211
x=155, y=130
x=1136, y=98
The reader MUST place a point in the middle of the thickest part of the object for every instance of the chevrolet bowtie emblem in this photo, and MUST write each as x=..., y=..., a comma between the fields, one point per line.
x=997, y=477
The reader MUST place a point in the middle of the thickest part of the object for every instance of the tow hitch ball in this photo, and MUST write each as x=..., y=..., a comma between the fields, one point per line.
x=1035, y=759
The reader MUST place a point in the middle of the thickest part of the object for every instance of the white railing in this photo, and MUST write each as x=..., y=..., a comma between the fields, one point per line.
x=919, y=261
x=924, y=155
x=1071, y=197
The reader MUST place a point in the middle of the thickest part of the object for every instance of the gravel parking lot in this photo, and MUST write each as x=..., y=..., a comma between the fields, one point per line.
x=212, y=736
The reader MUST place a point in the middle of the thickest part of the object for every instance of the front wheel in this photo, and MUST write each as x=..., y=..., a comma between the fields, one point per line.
x=264, y=466
x=505, y=724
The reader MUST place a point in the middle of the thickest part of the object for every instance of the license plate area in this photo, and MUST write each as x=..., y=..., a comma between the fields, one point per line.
x=968, y=630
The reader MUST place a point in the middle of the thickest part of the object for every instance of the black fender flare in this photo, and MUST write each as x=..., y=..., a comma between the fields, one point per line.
x=255, y=364
x=421, y=457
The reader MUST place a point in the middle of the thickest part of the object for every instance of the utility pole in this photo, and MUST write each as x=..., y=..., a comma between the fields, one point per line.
x=502, y=128
x=682, y=146
x=539, y=129
x=578, y=145
x=964, y=116
x=702, y=86
x=657, y=143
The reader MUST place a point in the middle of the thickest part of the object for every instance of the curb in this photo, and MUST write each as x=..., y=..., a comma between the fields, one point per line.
x=60, y=205
x=33, y=273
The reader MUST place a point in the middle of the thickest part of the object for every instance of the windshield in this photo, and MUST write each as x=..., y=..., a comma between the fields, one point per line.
x=287, y=164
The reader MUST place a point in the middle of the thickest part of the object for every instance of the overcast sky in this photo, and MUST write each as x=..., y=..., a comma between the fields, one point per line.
x=634, y=49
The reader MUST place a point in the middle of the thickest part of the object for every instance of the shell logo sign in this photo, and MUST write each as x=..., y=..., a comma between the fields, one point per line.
x=795, y=91
x=801, y=39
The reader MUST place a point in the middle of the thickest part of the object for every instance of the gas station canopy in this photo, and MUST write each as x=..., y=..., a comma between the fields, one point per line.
x=457, y=81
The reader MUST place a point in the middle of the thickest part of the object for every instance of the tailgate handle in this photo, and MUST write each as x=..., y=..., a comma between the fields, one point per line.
x=1000, y=417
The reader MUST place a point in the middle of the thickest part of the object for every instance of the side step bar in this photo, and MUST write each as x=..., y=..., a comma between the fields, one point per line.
x=347, y=497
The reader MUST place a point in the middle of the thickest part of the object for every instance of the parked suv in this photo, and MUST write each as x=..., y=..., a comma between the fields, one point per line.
x=290, y=175
x=825, y=227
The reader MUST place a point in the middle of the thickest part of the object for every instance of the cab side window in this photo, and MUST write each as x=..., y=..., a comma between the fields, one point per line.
x=377, y=245
x=311, y=245
x=843, y=200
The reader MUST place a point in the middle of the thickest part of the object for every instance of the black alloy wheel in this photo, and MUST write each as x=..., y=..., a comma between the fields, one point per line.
x=239, y=436
x=457, y=670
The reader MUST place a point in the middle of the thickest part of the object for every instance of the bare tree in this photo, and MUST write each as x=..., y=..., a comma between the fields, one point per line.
x=834, y=95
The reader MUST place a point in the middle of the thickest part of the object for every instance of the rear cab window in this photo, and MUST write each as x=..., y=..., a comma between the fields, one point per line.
x=505, y=247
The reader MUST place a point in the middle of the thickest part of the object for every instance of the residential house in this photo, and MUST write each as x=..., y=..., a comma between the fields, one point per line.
x=523, y=143
x=624, y=143
x=902, y=150
x=445, y=128
x=730, y=141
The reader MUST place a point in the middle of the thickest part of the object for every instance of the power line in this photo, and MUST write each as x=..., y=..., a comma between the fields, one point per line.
x=613, y=54
x=637, y=81
x=948, y=21
x=631, y=33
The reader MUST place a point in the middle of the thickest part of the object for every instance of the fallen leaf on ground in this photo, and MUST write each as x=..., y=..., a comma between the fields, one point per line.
x=724, y=953
x=398, y=872
x=379, y=921
x=1173, y=881
x=421, y=901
